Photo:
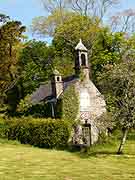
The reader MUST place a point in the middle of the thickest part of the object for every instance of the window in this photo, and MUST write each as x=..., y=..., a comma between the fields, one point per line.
x=83, y=60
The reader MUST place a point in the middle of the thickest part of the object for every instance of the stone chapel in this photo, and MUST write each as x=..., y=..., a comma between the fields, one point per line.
x=91, y=102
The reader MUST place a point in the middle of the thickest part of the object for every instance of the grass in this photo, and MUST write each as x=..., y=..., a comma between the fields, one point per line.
x=23, y=162
x=112, y=146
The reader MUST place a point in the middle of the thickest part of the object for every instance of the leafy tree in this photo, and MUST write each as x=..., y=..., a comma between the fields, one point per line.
x=4, y=18
x=59, y=10
x=104, y=47
x=67, y=36
x=46, y=26
x=118, y=85
x=36, y=62
x=108, y=49
x=10, y=44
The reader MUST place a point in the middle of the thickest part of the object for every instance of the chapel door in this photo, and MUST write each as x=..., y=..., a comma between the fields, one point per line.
x=86, y=132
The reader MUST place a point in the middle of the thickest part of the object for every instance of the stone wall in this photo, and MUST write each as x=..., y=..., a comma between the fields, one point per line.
x=92, y=106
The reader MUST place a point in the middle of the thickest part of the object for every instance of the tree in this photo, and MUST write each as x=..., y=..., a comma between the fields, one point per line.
x=83, y=7
x=124, y=21
x=52, y=5
x=104, y=47
x=45, y=26
x=93, y=8
x=108, y=50
x=61, y=10
x=118, y=86
x=36, y=60
x=67, y=36
x=10, y=44
x=4, y=18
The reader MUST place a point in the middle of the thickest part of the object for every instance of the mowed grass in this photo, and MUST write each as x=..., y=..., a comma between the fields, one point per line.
x=19, y=162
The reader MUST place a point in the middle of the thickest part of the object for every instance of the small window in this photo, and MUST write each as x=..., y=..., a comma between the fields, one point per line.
x=58, y=78
x=83, y=60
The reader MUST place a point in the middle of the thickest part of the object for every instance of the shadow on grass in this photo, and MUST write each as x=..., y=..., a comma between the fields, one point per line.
x=98, y=150
x=131, y=136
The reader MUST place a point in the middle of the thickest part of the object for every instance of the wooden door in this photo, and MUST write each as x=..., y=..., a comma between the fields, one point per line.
x=86, y=133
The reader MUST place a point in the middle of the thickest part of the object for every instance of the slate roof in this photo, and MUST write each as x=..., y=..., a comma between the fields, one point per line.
x=69, y=80
x=44, y=92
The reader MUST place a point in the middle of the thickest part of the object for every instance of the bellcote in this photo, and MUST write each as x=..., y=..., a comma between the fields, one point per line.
x=80, y=46
x=81, y=60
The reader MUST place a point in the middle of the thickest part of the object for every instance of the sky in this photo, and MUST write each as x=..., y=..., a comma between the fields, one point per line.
x=26, y=10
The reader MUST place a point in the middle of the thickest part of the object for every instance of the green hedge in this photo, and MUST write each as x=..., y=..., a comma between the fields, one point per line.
x=47, y=133
x=3, y=128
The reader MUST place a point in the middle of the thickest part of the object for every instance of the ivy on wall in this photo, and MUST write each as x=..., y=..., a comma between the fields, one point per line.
x=65, y=108
x=70, y=103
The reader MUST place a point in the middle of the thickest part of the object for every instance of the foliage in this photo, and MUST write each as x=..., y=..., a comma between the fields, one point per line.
x=46, y=133
x=61, y=10
x=119, y=83
x=67, y=36
x=105, y=123
x=107, y=50
x=65, y=108
x=10, y=37
x=3, y=128
x=24, y=104
x=104, y=47
x=74, y=28
x=70, y=104
x=47, y=25
x=64, y=63
x=41, y=110
x=36, y=62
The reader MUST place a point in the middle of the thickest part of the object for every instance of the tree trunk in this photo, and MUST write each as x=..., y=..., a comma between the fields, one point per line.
x=123, y=140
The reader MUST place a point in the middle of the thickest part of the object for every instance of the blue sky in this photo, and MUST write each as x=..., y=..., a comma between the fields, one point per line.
x=22, y=10
x=26, y=10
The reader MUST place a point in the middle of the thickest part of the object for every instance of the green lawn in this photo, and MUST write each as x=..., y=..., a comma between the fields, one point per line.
x=25, y=162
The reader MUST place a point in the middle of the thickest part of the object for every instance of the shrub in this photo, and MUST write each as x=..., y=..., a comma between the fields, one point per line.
x=48, y=133
x=3, y=128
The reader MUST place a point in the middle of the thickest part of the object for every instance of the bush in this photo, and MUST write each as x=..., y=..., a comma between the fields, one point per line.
x=48, y=133
x=3, y=128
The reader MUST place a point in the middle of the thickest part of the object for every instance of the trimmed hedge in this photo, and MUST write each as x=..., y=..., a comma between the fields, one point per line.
x=3, y=128
x=45, y=133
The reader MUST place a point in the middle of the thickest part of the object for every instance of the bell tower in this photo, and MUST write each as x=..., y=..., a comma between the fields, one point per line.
x=81, y=60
